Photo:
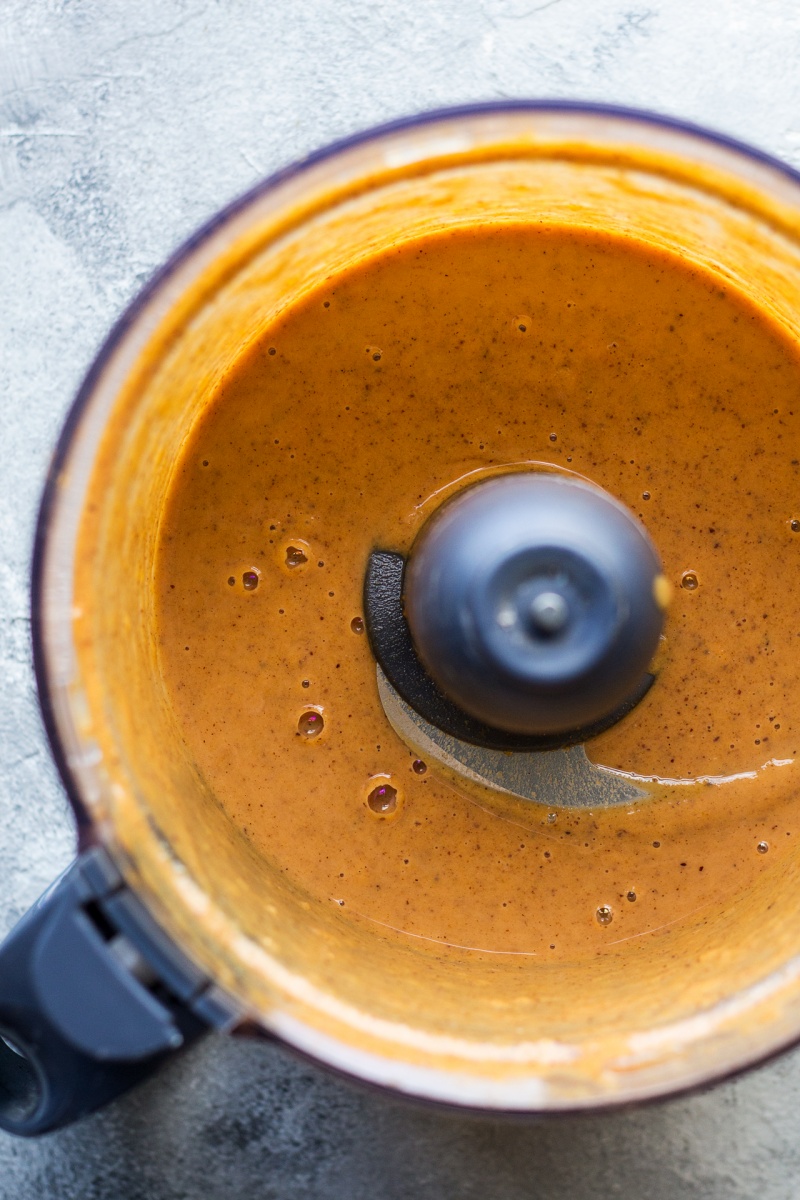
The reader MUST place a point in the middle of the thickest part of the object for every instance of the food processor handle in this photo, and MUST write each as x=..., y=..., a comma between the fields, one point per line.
x=93, y=997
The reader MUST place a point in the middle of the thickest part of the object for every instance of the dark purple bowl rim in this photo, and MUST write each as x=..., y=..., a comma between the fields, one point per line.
x=116, y=334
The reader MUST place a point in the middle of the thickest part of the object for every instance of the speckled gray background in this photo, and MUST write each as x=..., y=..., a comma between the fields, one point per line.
x=123, y=124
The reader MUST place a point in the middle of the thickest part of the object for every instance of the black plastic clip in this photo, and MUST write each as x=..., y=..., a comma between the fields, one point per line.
x=93, y=997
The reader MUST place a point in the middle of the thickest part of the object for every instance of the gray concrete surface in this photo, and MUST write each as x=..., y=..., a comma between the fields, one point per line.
x=123, y=124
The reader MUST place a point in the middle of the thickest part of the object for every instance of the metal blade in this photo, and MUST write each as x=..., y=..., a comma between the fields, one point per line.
x=556, y=778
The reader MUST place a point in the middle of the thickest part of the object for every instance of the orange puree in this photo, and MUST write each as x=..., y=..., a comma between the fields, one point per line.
x=342, y=429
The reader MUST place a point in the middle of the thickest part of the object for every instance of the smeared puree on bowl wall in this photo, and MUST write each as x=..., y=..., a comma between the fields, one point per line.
x=356, y=412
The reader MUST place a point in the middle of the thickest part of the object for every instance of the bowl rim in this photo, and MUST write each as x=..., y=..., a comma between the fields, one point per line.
x=181, y=255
